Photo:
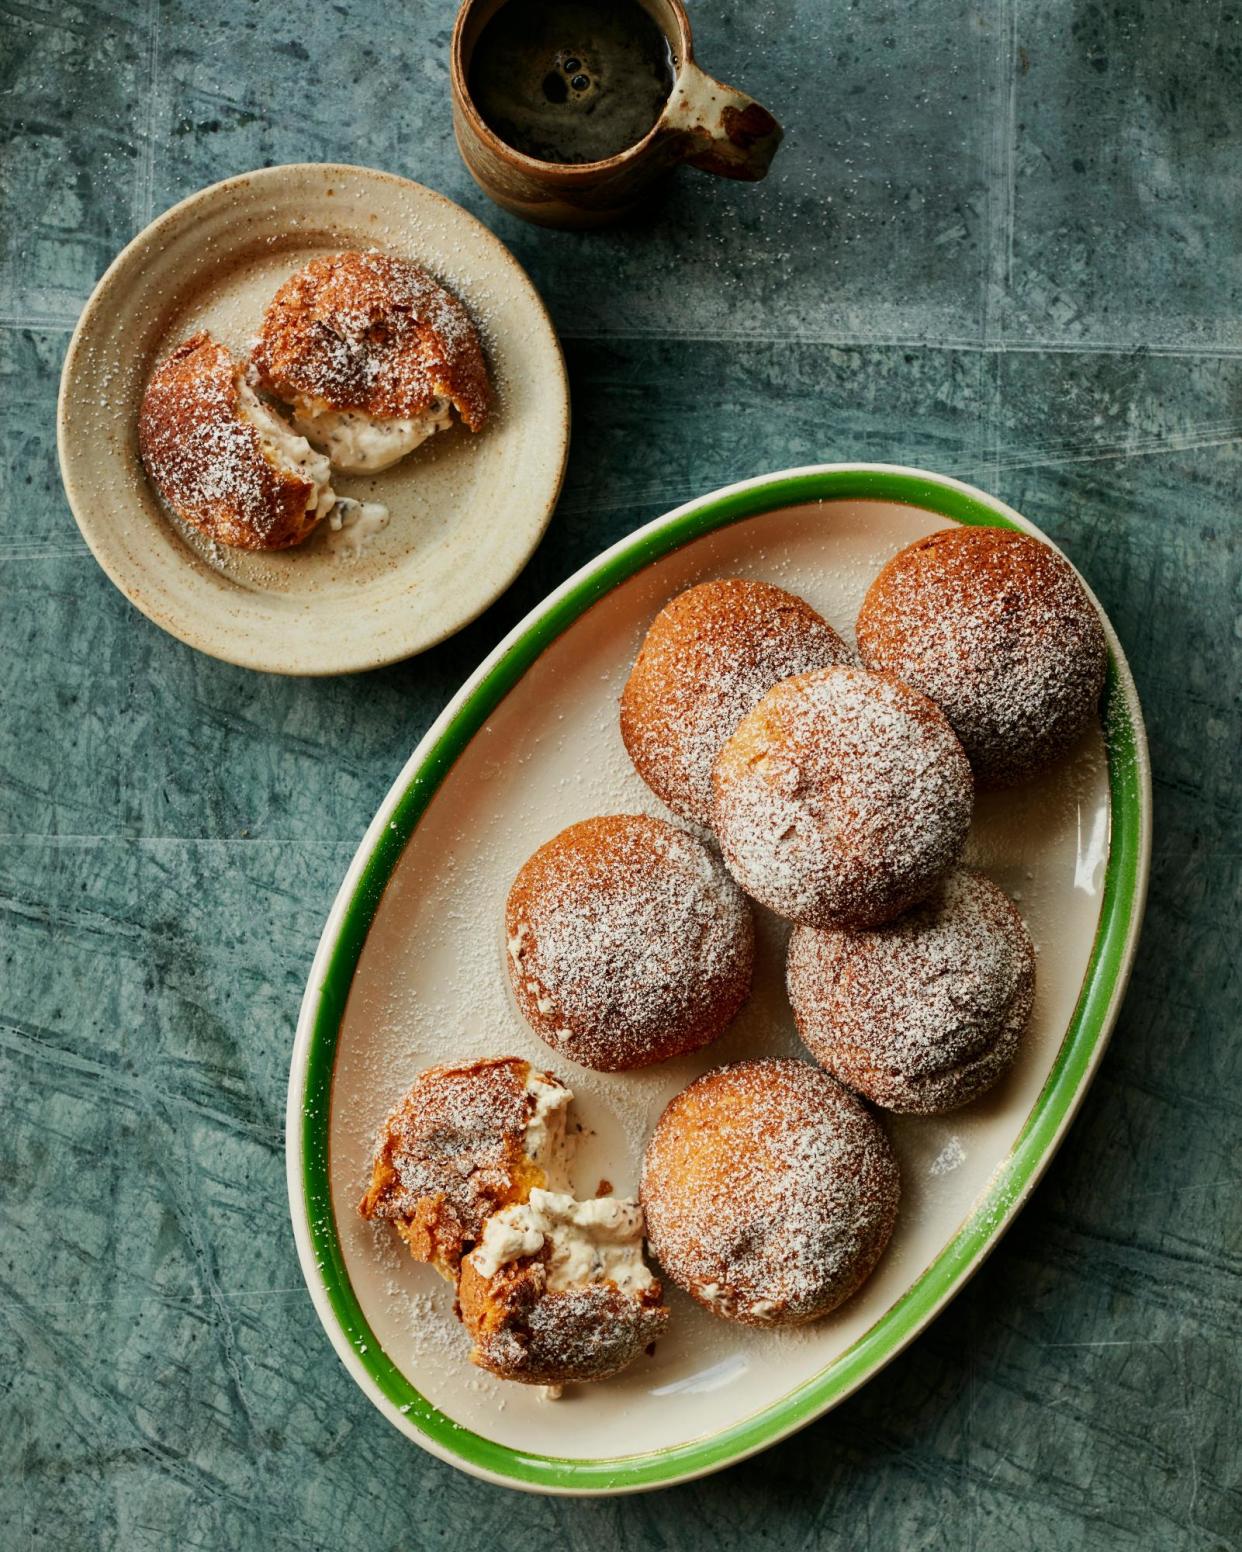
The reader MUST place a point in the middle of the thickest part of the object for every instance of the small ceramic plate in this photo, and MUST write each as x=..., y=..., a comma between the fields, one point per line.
x=409, y=973
x=466, y=510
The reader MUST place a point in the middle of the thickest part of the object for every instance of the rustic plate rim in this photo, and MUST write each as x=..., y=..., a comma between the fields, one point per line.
x=323, y=1004
x=96, y=534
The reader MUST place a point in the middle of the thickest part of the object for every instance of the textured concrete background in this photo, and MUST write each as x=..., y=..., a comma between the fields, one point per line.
x=1003, y=240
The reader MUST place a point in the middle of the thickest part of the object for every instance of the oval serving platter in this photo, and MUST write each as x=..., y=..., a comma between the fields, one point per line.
x=409, y=972
x=467, y=511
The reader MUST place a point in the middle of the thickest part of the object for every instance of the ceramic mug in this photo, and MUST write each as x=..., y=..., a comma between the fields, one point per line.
x=705, y=123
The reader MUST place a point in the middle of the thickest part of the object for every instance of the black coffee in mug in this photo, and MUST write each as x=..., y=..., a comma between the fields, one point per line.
x=571, y=80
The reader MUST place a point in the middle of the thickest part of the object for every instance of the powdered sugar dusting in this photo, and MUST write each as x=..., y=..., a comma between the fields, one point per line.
x=216, y=462
x=708, y=658
x=842, y=798
x=923, y=1014
x=587, y=1331
x=431, y=987
x=627, y=942
x=770, y=1191
x=482, y=496
x=371, y=332
x=454, y=1151
x=995, y=627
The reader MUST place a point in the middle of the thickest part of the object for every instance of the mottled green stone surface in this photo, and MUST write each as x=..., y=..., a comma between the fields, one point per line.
x=1002, y=240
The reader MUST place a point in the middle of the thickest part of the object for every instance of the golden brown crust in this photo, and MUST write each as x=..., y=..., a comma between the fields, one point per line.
x=842, y=799
x=996, y=628
x=207, y=461
x=451, y=1154
x=770, y=1192
x=628, y=942
x=523, y=1331
x=708, y=658
x=373, y=333
x=924, y=1014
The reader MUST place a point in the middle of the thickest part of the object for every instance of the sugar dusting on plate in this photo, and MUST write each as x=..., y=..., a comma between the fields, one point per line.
x=432, y=986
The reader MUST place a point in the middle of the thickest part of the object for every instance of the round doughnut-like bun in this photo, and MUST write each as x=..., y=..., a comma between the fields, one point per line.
x=465, y=1142
x=997, y=629
x=923, y=1014
x=842, y=799
x=221, y=459
x=628, y=942
x=770, y=1192
x=581, y=1304
x=370, y=352
x=708, y=658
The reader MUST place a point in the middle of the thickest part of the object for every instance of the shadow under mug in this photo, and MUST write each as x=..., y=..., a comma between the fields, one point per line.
x=704, y=123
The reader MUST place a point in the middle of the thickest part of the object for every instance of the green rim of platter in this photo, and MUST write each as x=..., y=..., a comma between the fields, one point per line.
x=1085, y=1037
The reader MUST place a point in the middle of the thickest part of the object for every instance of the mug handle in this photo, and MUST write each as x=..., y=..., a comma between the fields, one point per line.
x=727, y=132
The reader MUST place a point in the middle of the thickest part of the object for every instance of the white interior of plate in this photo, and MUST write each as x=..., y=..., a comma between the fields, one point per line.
x=466, y=509
x=431, y=987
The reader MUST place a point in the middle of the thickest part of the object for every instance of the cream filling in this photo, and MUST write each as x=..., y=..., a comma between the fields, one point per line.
x=358, y=443
x=760, y=1309
x=288, y=451
x=353, y=524
x=546, y=1143
x=589, y=1242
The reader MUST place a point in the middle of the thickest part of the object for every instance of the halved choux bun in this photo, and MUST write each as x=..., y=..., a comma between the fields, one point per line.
x=558, y=1291
x=465, y=1142
x=372, y=355
x=221, y=459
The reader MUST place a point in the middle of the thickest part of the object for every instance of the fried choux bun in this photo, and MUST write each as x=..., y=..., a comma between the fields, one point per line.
x=708, y=658
x=770, y=1192
x=923, y=1014
x=996, y=628
x=558, y=1291
x=372, y=355
x=465, y=1142
x=628, y=942
x=221, y=459
x=842, y=799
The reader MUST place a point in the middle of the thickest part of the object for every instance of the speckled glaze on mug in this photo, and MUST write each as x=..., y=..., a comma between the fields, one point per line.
x=704, y=123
